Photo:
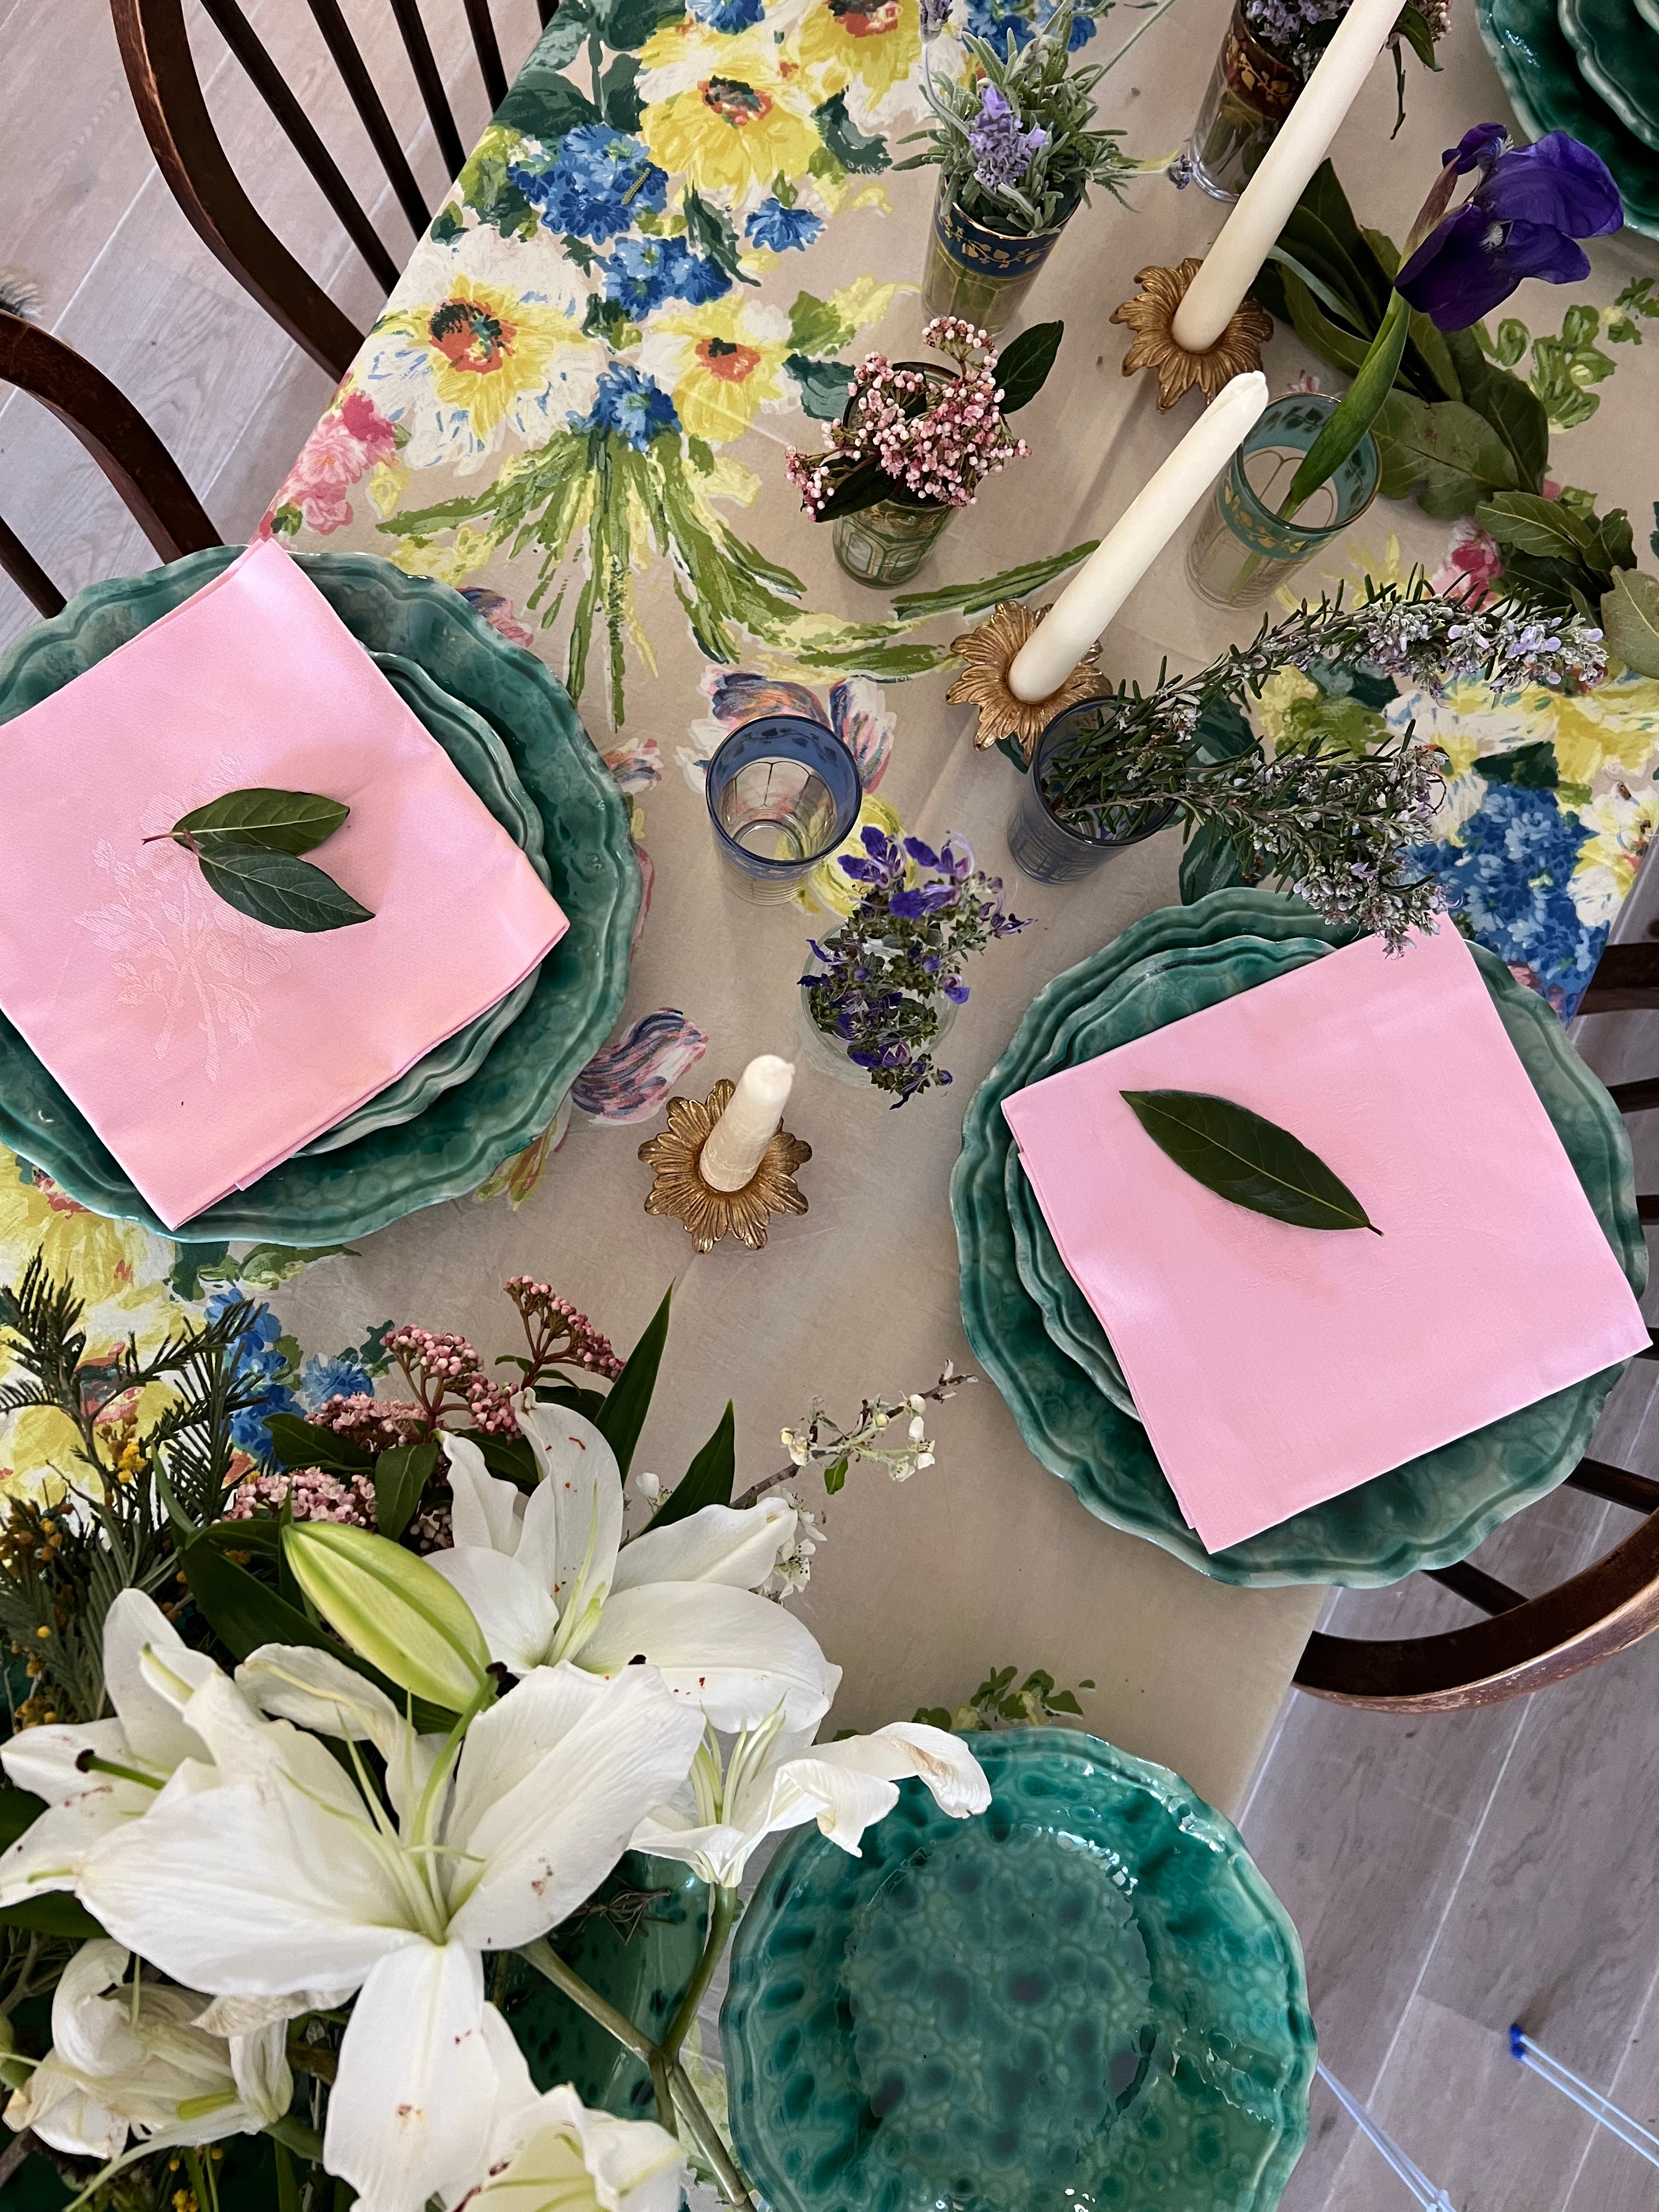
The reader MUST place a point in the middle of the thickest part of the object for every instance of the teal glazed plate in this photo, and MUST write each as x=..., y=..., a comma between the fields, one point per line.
x=1429, y=1513
x=1085, y=1998
x=1618, y=57
x=480, y=756
x=1536, y=64
x=447, y=1150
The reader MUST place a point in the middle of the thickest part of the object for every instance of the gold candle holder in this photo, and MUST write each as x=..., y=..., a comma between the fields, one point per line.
x=987, y=654
x=680, y=1193
x=1151, y=315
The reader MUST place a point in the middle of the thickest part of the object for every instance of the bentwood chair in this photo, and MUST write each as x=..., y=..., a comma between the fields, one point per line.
x=118, y=439
x=1526, y=1644
x=162, y=72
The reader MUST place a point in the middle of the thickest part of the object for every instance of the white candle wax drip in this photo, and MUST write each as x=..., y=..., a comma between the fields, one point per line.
x=1305, y=136
x=1135, y=540
x=735, y=1145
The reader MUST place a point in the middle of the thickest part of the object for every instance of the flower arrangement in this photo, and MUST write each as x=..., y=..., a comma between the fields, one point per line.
x=914, y=434
x=288, y=1856
x=1014, y=143
x=1334, y=824
x=882, y=975
x=1297, y=32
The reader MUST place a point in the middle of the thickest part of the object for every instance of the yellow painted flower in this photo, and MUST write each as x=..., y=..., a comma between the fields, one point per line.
x=865, y=47
x=113, y=1263
x=1277, y=696
x=743, y=119
x=450, y=564
x=725, y=360
x=1604, y=872
x=1616, y=725
x=826, y=889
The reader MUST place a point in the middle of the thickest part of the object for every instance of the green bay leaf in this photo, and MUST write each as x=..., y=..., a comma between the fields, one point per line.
x=1630, y=620
x=1247, y=1159
x=280, y=821
x=1023, y=365
x=277, y=889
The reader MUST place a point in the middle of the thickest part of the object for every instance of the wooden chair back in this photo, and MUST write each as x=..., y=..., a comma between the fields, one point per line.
x=162, y=72
x=118, y=439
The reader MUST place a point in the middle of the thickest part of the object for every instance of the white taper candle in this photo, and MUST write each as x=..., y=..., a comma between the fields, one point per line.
x=1135, y=540
x=1231, y=265
x=734, y=1147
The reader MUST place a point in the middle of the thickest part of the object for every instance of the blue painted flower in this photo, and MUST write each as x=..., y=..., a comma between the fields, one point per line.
x=643, y=272
x=1510, y=875
x=728, y=15
x=599, y=184
x=1523, y=219
x=774, y=225
x=255, y=1357
x=342, y=1376
x=630, y=404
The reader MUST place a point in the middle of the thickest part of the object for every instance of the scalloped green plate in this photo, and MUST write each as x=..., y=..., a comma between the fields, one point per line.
x=1085, y=1997
x=1070, y=1319
x=446, y=1152
x=1427, y=1514
x=1546, y=92
x=481, y=758
x=1618, y=58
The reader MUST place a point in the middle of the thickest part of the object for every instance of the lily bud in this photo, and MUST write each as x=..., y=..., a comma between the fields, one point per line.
x=399, y=1614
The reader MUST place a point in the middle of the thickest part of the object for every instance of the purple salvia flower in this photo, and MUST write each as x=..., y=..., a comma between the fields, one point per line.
x=1002, y=153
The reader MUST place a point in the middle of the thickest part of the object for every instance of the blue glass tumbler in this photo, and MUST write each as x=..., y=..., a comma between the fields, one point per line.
x=783, y=793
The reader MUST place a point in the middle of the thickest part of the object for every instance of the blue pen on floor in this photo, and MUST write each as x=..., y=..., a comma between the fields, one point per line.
x=1599, y=2108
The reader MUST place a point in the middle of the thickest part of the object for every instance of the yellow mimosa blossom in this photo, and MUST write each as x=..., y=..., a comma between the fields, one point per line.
x=745, y=118
x=724, y=361
x=864, y=46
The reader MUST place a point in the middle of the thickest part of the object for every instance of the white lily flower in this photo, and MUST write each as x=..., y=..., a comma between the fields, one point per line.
x=550, y=1579
x=567, y=2158
x=136, y=1752
x=291, y=1877
x=138, y=2061
x=775, y=1780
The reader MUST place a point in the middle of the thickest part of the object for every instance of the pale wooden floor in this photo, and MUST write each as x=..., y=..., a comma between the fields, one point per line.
x=1448, y=1876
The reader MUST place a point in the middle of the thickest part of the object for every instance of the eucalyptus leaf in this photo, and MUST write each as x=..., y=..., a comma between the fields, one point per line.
x=400, y=1476
x=1247, y=1159
x=276, y=821
x=1630, y=620
x=278, y=889
x=1023, y=365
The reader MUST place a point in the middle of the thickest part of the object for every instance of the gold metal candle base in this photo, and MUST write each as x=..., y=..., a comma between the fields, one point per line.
x=1150, y=314
x=680, y=1192
x=987, y=654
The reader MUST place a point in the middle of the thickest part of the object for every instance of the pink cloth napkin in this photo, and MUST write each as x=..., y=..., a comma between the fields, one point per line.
x=1276, y=1367
x=204, y=1047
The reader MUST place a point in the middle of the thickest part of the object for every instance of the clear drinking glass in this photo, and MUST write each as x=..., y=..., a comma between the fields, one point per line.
x=783, y=792
x=1244, y=549
x=1250, y=93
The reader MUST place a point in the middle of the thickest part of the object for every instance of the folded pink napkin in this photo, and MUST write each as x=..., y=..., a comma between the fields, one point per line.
x=1276, y=1367
x=203, y=1046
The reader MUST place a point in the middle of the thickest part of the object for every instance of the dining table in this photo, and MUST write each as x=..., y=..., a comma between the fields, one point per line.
x=551, y=416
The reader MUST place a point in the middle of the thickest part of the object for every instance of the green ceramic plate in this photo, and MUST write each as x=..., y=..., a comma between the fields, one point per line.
x=1164, y=994
x=1618, y=57
x=1427, y=1514
x=1649, y=11
x=446, y=1152
x=1546, y=92
x=1085, y=1997
x=481, y=758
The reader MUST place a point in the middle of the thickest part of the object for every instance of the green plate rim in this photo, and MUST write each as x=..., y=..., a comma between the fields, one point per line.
x=447, y=1150
x=1623, y=153
x=1585, y=36
x=1188, y=1815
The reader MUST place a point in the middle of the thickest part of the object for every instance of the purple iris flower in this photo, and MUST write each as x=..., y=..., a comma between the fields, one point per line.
x=1523, y=219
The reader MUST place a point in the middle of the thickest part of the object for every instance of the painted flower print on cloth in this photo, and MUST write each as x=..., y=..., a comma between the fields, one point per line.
x=630, y=1079
x=618, y=291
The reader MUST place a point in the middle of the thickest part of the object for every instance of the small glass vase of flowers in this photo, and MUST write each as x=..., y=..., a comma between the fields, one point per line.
x=1016, y=149
x=883, y=989
x=915, y=443
x=1271, y=49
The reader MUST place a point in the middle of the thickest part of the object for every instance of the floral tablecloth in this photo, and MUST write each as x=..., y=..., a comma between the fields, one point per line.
x=651, y=277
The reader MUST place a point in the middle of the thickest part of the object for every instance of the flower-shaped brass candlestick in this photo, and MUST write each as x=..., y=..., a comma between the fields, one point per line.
x=987, y=654
x=1151, y=315
x=680, y=1192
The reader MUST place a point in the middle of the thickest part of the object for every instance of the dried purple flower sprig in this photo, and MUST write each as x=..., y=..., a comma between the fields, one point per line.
x=882, y=973
x=934, y=437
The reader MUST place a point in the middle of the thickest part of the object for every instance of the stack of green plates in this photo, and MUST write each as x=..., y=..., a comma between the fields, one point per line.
x=1589, y=68
x=490, y=1090
x=1041, y=1343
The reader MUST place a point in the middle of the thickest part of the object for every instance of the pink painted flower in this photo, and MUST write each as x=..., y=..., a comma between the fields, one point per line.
x=498, y=612
x=351, y=440
x=1471, y=564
